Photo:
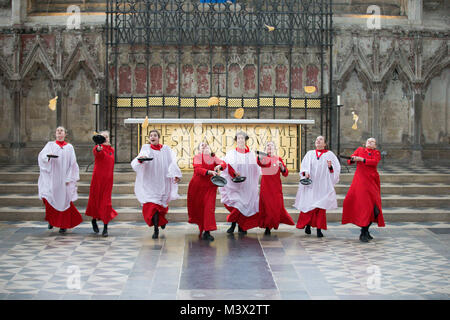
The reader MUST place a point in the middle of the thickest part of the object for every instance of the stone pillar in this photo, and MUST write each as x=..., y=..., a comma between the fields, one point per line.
x=18, y=11
x=417, y=148
x=16, y=143
x=415, y=11
x=376, y=113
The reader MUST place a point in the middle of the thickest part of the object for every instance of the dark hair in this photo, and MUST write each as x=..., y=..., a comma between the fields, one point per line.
x=241, y=133
x=324, y=141
x=157, y=132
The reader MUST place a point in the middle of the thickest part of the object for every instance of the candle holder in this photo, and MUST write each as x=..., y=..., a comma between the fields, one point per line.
x=97, y=120
x=339, y=106
x=97, y=115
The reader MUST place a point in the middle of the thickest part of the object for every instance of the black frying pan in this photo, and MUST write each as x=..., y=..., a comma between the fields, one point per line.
x=218, y=181
x=99, y=139
x=238, y=179
x=305, y=181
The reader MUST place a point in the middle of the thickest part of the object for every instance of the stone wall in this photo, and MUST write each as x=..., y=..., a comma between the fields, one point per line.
x=396, y=82
x=393, y=84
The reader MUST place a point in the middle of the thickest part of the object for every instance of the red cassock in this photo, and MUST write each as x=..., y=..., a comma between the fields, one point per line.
x=244, y=222
x=201, y=198
x=66, y=219
x=271, y=203
x=364, y=193
x=99, y=204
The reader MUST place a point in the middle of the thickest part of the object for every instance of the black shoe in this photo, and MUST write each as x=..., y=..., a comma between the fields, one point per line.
x=155, y=234
x=163, y=226
x=231, y=229
x=241, y=231
x=319, y=233
x=95, y=226
x=369, y=236
x=363, y=236
x=308, y=229
x=50, y=226
x=267, y=232
x=207, y=236
x=105, y=230
x=62, y=230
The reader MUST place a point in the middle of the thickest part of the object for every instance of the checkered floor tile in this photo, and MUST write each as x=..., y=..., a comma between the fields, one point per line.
x=404, y=261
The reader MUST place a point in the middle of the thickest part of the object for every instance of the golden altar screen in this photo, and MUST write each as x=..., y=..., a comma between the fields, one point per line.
x=185, y=138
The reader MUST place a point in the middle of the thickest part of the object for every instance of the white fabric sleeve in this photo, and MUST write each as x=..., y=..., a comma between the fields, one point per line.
x=73, y=172
x=43, y=160
x=306, y=164
x=145, y=152
x=174, y=170
x=336, y=168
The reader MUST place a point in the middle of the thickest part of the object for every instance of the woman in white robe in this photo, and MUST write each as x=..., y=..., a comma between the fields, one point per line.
x=156, y=181
x=57, y=182
x=241, y=199
x=323, y=168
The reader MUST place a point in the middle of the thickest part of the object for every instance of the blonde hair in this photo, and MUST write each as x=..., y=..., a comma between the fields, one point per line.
x=105, y=131
x=272, y=142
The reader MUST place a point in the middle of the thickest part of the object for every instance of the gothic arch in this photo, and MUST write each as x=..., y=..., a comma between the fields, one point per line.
x=37, y=56
x=80, y=59
x=439, y=63
x=397, y=63
x=404, y=77
x=30, y=76
x=355, y=63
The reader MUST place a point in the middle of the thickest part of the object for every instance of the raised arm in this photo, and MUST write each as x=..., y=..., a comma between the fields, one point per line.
x=285, y=173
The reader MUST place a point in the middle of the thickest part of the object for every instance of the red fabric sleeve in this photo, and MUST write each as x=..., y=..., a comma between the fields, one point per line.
x=198, y=166
x=374, y=162
x=231, y=171
x=223, y=164
x=355, y=154
x=286, y=172
x=265, y=163
x=98, y=154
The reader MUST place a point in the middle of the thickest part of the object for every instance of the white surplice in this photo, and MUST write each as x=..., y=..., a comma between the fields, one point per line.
x=58, y=176
x=243, y=196
x=155, y=179
x=320, y=193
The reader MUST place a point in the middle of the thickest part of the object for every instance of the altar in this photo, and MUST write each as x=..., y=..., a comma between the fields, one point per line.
x=185, y=135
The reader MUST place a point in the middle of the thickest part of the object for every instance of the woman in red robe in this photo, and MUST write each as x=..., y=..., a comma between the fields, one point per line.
x=201, y=198
x=271, y=204
x=99, y=203
x=362, y=204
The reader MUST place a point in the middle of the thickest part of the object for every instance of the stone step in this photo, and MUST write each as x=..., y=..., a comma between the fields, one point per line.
x=288, y=188
x=397, y=214
x=129, y=200
x=345, y=178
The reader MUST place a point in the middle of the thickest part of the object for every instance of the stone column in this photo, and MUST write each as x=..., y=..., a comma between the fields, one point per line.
x=415, y=11
x=16, y=143
x=18, y=11
x=416, y=149
x=376, y=113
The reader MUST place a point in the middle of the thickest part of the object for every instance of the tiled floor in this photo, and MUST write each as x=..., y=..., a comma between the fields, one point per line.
x=382, y=168
x=404, y=261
